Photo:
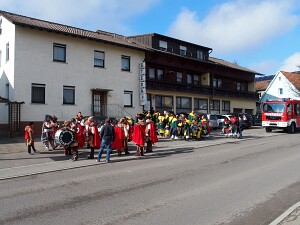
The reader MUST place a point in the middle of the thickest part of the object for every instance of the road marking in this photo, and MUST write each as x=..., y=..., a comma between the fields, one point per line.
x=285, y=214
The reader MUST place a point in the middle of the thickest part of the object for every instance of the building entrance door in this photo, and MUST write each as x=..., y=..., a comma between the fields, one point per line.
x=99, y=106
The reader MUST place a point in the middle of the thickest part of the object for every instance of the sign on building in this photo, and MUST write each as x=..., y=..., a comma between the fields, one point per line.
x=143, y=95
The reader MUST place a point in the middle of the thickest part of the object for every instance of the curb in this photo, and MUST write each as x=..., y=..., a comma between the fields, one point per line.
x=285, y=214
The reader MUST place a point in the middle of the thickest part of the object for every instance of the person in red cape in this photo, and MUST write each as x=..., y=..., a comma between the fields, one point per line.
x=138, y=137
x=80, y=134
x=29, y=138
x=151, y=136
x=93, y=137
x=118, y=142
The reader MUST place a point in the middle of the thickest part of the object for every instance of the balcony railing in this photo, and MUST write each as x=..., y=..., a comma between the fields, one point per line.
x=196, y=89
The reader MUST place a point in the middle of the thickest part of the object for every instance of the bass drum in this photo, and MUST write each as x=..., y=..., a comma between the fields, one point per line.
x=64, y=137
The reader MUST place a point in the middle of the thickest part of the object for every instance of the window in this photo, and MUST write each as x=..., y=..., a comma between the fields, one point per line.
x=225, y=107
x=128, y=99
x=7, y=90
x=196, y=79
x=240, y=86
x=279, y=78
x=160, y=74
x=217, y=82
x=199, y=54
x=38, y=93
x=179, y=77
x=215, y=105
x=99, y=59
x=69, y=95
x=280, y=91
x=189, y=79
x=125, y=63
x=163, y=45
x=7, y=52
x=183, y=104
x=151, y=73
x=59, y=52
x=163, y=103
x=200, y=104
x=182, y=50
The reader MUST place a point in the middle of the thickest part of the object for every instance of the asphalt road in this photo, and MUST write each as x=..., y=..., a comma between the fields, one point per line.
x=245, y=182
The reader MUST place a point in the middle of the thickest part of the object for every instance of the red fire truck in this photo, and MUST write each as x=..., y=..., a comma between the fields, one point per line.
x=281, y=114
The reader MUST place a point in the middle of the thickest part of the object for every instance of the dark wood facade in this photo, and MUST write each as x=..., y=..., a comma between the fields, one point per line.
x=170, y=63
x=182, y=73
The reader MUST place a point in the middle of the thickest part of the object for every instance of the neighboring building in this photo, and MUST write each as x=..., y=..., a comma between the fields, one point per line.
x=283, y=85
x=61, y=70
x=180, y=76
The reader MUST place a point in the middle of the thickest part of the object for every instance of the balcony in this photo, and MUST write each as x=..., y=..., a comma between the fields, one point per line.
x=196, y=89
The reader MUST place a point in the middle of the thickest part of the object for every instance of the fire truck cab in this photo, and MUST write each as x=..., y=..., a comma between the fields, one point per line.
x=281, y=114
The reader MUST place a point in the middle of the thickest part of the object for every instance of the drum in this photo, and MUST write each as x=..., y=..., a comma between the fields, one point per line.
x=64, y=137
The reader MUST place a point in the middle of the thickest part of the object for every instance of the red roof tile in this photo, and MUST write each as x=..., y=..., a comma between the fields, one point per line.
x=55, y=27
x=262, y=85
x=294, y=78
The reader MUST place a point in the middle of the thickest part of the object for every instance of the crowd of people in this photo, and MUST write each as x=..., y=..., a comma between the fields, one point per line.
x=144, y=129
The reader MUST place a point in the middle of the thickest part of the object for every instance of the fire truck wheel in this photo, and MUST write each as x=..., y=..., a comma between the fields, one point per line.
x=268, y=129
x=291, y=128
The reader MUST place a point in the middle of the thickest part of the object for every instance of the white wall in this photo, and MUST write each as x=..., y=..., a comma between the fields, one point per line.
x=7, y=67
x=34, y=64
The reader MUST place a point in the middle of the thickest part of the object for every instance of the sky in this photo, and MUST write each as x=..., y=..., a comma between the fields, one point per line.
x=261, y=35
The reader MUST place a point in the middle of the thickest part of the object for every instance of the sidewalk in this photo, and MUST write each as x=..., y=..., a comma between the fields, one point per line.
x=15, y=162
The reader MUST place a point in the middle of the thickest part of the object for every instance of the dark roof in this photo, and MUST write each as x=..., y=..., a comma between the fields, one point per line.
x=231, y=65
x=171, y=38
x=294, y=78
x=102, y=36
x=262, y=78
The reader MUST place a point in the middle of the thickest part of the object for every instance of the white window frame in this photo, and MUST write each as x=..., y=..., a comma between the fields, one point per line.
x=179, y=77
x=99, y=59
x=40, y=89
x=66, y=101
x=7, y=51
x=199, y=54
x=59, y=52
x=128, y=98
x=183, y=50
x=163, y=45
x=125, y=63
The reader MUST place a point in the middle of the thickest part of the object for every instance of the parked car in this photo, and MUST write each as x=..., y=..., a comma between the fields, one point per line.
x=220, y=120
x=213, y=120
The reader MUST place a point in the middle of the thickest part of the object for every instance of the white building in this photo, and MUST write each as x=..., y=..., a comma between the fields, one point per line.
x=283, y=85
x=61, y=70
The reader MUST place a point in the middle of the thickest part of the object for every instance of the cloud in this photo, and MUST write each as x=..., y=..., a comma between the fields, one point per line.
x=237, y=25
x=291, y=63
x=89, y=14
x=265, y=66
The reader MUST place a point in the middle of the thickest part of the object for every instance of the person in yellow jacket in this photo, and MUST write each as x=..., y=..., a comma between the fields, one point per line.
x=161, y=124
x=192, y=116
x=173, y=125
x=187, y=129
